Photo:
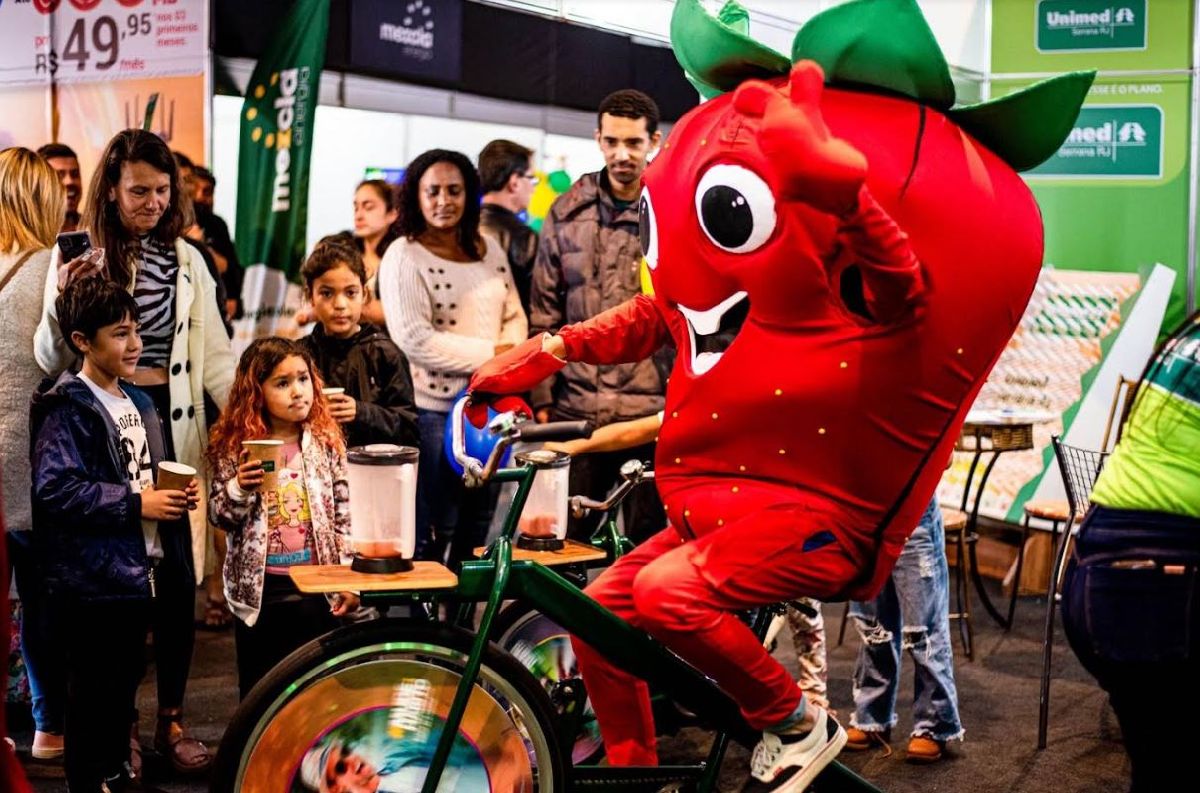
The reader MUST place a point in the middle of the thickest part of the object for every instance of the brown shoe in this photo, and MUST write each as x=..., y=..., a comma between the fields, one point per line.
x=186, y=754
x=923, y=749
x=860, y=740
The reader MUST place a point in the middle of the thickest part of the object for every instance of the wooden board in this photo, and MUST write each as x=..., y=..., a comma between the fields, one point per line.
x=572, y=552
x=323, y=578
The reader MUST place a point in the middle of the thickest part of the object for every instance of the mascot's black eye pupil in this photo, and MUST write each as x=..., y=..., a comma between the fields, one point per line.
x=645, y=232
x=726, y=215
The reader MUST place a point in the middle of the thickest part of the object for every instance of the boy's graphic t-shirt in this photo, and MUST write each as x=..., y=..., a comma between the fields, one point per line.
x=135, y=452
x=289, y=520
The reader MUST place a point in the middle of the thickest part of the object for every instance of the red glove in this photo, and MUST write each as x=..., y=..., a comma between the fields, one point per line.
x=512, y=372
x=815, y=167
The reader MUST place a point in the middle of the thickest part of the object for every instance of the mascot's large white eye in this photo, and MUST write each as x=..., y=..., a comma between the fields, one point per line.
x=735, y=207
x=648, y=229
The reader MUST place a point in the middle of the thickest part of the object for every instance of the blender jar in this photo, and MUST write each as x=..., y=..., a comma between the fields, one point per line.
x=543, y=523
x=383, y=505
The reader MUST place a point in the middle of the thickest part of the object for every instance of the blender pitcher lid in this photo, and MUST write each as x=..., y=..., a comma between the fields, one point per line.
x=382, y=454
x=544, y=458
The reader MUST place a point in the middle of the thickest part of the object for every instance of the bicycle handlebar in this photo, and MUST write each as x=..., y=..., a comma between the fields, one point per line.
x=511, y=428
x=554, y=431
x=633, y=472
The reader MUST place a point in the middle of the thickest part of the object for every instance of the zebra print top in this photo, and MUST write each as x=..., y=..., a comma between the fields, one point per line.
x=154, y=293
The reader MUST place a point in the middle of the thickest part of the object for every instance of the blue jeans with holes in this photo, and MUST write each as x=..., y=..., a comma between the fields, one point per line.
x=911, y=613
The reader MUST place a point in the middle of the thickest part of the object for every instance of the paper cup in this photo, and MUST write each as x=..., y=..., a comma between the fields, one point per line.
x=267, y=453
x=330, y=392
x=174, y=476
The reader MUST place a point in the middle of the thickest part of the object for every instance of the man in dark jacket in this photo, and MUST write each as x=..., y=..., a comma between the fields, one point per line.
x=506, y=175
x=109, y=541
x=589, y=260
x=375, y=373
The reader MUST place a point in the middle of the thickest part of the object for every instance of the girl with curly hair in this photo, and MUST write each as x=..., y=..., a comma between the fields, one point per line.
x=303, y=519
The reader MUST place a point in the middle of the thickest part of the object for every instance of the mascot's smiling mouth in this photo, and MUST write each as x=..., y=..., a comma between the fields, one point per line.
x=712, y=331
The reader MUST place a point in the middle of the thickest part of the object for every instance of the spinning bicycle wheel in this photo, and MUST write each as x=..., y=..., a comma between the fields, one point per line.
x=365, y=705
x=544, y=648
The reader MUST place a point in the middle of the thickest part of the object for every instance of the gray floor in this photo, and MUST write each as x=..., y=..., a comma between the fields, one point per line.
x=998, y=695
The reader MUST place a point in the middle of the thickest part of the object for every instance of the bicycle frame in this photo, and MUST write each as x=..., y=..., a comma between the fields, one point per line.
x=497, y=577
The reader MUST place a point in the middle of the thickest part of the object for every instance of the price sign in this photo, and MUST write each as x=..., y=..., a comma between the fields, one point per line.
x=100, y=40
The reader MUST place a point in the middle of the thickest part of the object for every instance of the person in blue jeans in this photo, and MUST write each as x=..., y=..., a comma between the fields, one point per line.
x=910, y=613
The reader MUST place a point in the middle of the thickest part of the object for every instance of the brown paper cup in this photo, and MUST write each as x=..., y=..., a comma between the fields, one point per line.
x=266, y=452
x=174, y=476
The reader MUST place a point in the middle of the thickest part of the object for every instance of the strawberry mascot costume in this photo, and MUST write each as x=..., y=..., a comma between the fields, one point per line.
x=839, y=256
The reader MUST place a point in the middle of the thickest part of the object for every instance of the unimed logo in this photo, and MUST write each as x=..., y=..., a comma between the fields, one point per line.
x=1111, y=142
x=414, y=29
x=1065, y=25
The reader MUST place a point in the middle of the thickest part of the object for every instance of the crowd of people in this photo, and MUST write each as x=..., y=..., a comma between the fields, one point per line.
x=119, y=358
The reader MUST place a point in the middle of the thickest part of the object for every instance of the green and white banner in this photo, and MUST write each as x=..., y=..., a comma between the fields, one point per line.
x=1078, y=25
x=273, y=162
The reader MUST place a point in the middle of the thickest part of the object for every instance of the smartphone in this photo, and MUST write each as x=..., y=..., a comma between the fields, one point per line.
x=74, y=244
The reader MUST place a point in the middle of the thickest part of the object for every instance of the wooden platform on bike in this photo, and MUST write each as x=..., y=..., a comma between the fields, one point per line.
x=325, y=578
x=572, y=552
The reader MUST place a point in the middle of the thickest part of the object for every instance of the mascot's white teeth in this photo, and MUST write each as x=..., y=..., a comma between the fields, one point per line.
x=709, y=321
x=713, y=330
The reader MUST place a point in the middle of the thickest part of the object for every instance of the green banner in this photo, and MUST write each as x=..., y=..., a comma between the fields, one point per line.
x=1110, y=142
x=273, y=159
x=1074, y=25
x=1055, y=36
x=1114, y=197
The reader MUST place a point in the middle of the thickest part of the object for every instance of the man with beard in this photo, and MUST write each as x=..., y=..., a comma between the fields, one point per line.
x=65, y=163
x=589, y=260
x=216, y=234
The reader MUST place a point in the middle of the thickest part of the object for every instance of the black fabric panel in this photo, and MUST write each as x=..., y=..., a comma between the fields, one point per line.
x=589, y=65
x=658, y=74
x=507, y=55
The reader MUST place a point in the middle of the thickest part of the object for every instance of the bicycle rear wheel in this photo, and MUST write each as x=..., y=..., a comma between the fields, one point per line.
x=544, y=648
x=365, y=705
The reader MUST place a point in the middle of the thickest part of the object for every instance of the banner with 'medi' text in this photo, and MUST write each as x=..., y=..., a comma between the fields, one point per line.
x=273, y=163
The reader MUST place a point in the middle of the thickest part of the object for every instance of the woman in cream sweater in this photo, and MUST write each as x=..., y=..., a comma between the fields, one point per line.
x=450, y=304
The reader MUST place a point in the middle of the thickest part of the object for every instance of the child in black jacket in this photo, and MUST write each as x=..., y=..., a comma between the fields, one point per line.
x=100, y=526
x=377, y=404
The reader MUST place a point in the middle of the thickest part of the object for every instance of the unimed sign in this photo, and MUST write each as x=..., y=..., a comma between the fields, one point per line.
x=1073, y=25
x=1110, y=142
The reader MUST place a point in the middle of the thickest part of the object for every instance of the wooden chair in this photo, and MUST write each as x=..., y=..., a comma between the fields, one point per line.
x=955, y=523
x=1080, y=468
x=1056, y=511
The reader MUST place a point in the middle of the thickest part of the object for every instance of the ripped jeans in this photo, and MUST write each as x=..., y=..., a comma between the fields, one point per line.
x=911, y=613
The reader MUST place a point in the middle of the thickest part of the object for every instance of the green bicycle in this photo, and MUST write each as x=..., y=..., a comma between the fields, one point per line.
x=417, y=705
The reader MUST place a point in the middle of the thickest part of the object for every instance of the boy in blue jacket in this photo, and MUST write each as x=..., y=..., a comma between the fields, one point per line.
x=101, y=526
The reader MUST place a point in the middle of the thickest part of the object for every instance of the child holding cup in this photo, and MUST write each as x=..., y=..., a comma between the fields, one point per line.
x=370, y=390
x=279, y=491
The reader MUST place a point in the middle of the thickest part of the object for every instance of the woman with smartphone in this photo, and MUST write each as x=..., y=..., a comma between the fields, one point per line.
x=31, y=208
x=134, y=217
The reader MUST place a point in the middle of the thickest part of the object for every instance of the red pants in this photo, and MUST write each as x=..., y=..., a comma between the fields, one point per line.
x=684, y=594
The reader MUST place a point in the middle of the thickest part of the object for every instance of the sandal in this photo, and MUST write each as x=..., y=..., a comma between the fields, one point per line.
x=186, y=755
x=217, y=616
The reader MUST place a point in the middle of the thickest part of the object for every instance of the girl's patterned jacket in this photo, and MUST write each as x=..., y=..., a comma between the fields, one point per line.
x=243, y=516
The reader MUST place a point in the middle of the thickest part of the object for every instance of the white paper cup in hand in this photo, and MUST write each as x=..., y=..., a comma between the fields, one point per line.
x=174, y=476
x=266, y=451
x=331, y=392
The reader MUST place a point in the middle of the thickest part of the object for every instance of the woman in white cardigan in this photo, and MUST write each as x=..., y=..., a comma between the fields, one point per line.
x=450, y=304
x=135, y=212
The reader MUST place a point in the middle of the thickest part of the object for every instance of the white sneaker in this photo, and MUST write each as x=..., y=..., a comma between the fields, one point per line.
x=789, y=764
